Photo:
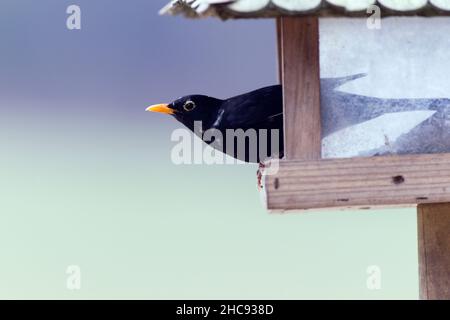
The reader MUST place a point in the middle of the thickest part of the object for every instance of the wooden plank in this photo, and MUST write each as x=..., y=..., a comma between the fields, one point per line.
x=279, y=50
x=433, y=222
x=357, y=182
x=301, y=87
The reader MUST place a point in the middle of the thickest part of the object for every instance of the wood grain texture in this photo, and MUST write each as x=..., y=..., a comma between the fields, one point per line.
x=279, y=50
x=301, y=87
x=357, y=182
x=433, y=221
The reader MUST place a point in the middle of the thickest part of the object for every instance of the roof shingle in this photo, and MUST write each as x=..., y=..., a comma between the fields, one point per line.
x=272, y=8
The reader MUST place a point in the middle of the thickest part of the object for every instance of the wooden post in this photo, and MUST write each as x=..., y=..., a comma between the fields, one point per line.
x=301, y=87
x=433, y=221
x=279, y=49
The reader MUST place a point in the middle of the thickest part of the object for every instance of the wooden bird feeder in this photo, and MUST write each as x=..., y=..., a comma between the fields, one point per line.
x=305, y=180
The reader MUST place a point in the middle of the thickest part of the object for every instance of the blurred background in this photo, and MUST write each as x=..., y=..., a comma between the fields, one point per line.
x=86, y=177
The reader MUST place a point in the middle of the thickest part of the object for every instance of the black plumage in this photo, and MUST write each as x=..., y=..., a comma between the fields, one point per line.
x=256, y=110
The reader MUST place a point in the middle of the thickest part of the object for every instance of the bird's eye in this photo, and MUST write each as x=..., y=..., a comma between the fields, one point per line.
x=189, y=105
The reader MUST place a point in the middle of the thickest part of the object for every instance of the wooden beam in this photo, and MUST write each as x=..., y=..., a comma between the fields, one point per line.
x=301, y=87
x=357, y=182
x=433, y=222
x=279, y=50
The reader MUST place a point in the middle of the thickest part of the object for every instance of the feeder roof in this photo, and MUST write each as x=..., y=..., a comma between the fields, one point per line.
x=272, y=8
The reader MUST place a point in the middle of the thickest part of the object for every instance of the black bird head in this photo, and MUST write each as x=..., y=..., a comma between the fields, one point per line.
x=191, y=108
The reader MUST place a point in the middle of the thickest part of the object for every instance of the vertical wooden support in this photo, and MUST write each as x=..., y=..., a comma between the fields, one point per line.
x=279, y=49
x=433, y=222
x=301, y=87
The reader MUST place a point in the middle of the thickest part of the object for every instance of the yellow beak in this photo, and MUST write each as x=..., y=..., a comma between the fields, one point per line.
x=161, y=108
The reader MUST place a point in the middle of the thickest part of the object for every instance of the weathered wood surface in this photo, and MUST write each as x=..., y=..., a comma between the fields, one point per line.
x=301, y=87
x=273, y=8
x=279, y=50
x=433, y=222
x=358, y=182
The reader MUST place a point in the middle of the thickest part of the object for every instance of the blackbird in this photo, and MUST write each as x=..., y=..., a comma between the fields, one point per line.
x=254, y=111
